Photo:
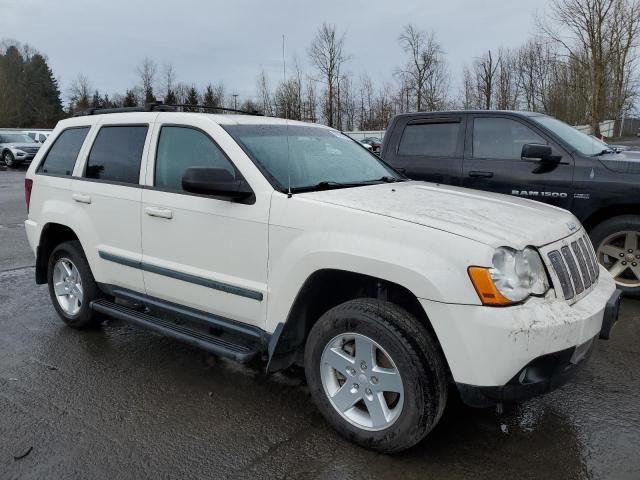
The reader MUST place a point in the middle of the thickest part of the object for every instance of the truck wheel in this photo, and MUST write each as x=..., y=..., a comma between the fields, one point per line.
x=9, y=160
x=72, y=287
x=617, y=244
x=375, y=374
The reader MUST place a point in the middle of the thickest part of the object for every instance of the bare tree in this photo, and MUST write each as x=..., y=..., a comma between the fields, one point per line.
x=147, y=73
x=265, y=94
x=586, y=25
x=425, y=69
x=168, y=83
x=327, y=55
x=80, y=93
x=485, y=69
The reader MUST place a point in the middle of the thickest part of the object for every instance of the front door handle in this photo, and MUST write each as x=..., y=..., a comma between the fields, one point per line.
x=478, y=174
x=81, y=197
x=159, y=212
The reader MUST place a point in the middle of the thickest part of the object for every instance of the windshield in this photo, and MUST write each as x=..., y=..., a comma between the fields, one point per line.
x=15, y=138
x=582, y=142
x=308, y=156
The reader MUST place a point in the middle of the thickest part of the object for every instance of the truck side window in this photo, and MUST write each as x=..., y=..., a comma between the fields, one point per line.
x=430, y=139
x=501, y=138
x=182, y=147
x=61, y=157
x=116, y=154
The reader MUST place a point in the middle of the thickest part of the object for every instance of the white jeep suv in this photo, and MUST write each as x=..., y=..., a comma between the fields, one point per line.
x=273, y=241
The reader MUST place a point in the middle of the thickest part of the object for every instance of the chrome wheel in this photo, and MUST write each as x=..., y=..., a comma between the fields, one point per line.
x=620, y=255
x=67, y=286
x=361, y=381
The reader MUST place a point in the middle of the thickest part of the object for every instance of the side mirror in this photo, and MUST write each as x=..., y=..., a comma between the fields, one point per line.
x=217, y=182
x=534, y=151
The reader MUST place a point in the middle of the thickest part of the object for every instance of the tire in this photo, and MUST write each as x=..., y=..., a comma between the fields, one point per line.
x=613, y=233
x=413, y=354
x=71, y=253
x=9, y=160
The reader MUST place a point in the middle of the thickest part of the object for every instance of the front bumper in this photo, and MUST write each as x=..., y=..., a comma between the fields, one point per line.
x=488, y=348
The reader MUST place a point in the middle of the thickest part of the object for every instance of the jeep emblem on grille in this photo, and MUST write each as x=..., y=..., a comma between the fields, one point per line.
x=572, y=226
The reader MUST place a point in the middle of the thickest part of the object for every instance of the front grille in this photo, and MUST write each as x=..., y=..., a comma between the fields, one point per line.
x=30, y=149
x=575, y=266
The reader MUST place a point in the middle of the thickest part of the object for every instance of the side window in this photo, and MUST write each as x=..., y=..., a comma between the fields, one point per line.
x=430, y=139
x=501, y=138
x=61, y=157
x=116, y=154
x=32, y=135
x=182, y=147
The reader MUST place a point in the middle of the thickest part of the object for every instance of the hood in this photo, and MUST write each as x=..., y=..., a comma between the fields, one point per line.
x=490, y=218
x=623, y=162
x=19, y=145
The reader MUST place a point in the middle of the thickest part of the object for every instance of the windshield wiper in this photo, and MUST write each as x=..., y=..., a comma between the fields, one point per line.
x=604, y=152
x=329, y=185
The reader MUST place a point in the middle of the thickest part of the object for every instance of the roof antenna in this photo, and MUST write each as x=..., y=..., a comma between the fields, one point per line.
x=284, y=81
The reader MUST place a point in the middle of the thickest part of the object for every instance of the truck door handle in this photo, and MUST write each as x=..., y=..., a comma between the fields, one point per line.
x=159, y=212
x=477, y=174
x=81, y=198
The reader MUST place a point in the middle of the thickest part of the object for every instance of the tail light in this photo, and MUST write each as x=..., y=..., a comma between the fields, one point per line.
x=28, y=185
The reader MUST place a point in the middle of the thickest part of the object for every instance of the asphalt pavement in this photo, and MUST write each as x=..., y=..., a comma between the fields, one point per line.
x=122, y=403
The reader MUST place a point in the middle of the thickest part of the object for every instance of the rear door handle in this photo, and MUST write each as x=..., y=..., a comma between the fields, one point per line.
x=477, y=174
x=81, y=197
x=159, y=212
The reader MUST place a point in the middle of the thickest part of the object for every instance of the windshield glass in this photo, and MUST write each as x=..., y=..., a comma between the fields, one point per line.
x=582, y=142
x=308, y=156
x=15, y=138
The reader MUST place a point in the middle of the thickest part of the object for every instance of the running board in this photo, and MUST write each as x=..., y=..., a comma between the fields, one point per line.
x=216, y=345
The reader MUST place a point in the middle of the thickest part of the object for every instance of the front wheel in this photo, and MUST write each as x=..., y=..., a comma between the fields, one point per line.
x=9, y=160
x=617, y=245
x=375, y=374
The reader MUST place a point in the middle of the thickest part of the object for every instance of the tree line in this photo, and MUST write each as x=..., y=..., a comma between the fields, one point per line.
x=581, y=66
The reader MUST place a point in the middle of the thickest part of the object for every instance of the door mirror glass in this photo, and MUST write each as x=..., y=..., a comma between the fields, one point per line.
x=534, y=151
x=214, y=181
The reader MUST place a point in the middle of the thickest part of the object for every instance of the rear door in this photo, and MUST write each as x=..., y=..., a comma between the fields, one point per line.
x=492, y=161
x=106, y=196
x=429, y=148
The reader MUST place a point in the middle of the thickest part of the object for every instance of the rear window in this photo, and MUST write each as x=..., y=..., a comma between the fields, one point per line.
x=116, y=154
x=62, y=156
x=430, y=139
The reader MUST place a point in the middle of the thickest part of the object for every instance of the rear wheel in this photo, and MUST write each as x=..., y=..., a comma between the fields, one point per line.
x=617, y=243
x=375, y=374
x=72, y=287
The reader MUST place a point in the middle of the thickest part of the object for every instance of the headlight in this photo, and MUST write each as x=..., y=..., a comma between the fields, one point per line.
x=515, y=275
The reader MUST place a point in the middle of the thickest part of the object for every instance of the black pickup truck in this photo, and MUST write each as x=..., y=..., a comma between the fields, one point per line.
x=533, y=156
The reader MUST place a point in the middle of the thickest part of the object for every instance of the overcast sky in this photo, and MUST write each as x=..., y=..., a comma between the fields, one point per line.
x=232, y=40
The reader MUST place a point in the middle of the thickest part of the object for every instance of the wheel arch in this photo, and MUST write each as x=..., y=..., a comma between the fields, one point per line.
x=608, y=212
x=52, y=235
x=323, y=290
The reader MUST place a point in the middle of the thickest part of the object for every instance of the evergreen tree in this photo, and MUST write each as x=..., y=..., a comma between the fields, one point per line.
x=96, y=100
x=129, y=99
x=209, y=98
x=192, y=97
x=171, y=98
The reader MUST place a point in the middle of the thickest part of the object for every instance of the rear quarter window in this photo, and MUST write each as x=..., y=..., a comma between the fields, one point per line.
x=62, y=156
x=116, y=154
x=430, y=139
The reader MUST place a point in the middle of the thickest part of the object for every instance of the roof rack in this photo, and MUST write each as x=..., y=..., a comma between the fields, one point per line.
x=162, y=107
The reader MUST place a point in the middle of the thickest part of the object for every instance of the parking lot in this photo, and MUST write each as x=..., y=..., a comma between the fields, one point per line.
x=126, y=403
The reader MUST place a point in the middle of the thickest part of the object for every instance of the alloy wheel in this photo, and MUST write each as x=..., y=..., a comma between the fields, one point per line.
x=361, y=381
x=67, y=286
x=619, y=253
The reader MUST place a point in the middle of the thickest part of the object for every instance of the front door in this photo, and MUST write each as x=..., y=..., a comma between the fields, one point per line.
x=199, y=251
x=493, y=162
